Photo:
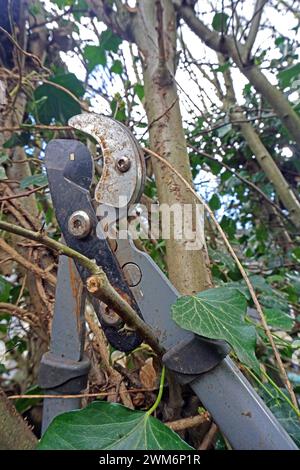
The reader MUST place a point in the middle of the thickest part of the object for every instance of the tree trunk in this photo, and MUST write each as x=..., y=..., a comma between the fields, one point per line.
x=155, y=35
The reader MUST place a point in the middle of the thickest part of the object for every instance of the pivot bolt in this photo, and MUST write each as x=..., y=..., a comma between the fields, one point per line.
x=123, y=164
x=79, y=224
x=111, y=318
x=132, y=274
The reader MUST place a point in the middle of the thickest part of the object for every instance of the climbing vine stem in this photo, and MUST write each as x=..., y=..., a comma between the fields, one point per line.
x=160, y=393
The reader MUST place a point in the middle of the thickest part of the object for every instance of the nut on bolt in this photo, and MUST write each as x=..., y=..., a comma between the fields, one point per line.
x=123, y=164
x=79, y=224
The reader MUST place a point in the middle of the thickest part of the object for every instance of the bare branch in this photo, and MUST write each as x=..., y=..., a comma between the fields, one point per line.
x=255, y=22
x=97, y=284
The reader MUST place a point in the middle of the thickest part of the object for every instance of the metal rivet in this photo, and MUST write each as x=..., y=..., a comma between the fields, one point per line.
x=111, y=318
x=132, y=274
x=79, y=224
x=123, y=164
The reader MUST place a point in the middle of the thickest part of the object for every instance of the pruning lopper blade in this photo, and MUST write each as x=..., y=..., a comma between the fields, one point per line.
x=235, y=406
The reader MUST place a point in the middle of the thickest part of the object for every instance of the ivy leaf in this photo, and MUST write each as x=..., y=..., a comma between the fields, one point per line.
x=117, y=67
x=59, y=105
x=94, y=55
x=3, y=175
x=3, y=159
x=295, y=252
x=214, y=202
x=24, y=404
x=5, y=288
x=278, y=319
x=17, y=140
x=282, y=411
x=104, y=425
x=222, y=68
x=110, y=41
x=229, y=226
x=139, y=90
x=287, y=76
x=219, y=314
x=34, y=180
x=219, y=22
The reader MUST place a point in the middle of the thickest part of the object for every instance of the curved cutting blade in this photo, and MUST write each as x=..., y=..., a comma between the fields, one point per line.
x=115, y=188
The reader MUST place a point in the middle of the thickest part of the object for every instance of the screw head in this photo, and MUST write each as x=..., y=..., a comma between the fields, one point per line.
x=123, y=164
x=79, y=224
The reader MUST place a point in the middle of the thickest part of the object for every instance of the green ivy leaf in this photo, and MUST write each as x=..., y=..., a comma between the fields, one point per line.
x=219, y=314
x=287, y=76
x=222, y=68
x=17, y=140
x=139, y=90
x=24, y=404
x=296, y=253
x=3, y=158
x=5, y=288
x=117, y=67
x=59, y=105
x=282, y=411
x=3, y=175
x=94, y=55
x=110, y=41
x=104, y=425
x=278, y=319
x=34, y=180
x=229, y=226
x=219, y=22
x=214, y=202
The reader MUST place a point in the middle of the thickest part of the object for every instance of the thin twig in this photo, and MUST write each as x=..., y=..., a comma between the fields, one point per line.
x=242, y=271
x=209, y=437
x=80, y=395
x=244, y=180
x=26, y=263
x=160, y=117
x=32, y=127
x=187, y=423
x=25, y=194
x=65, y=90
x=27, y=54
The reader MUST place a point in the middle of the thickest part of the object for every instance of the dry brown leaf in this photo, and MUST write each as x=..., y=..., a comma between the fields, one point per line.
x=148, y=375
